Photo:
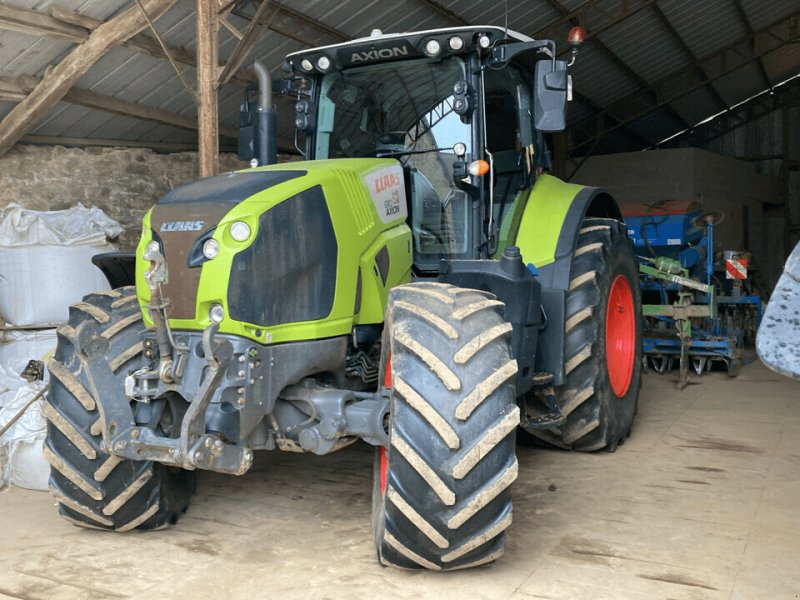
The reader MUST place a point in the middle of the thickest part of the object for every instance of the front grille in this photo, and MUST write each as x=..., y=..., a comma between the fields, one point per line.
x=288, y=273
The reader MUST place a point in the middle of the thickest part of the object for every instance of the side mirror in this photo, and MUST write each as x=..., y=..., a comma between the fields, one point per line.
x=550, y=95
x=248, y=111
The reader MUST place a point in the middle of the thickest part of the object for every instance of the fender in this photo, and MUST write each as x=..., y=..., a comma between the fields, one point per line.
x=547, y=236
x=550, y=223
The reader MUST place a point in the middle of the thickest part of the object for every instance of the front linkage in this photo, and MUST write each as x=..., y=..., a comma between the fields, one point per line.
x=238, y=383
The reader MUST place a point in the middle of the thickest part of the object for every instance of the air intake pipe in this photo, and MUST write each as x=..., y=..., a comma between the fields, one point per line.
x=266, y=137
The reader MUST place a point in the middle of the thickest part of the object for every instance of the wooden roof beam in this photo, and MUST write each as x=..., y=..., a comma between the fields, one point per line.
x=58, y=81
x=70, y=26
x=31, y=22
x=255, y=29
x=274, y=22
x=18, y=88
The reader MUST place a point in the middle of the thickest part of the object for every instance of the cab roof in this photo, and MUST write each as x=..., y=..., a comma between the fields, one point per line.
x=385, y=47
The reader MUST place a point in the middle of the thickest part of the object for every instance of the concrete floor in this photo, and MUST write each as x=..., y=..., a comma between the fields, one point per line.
x=701, y=502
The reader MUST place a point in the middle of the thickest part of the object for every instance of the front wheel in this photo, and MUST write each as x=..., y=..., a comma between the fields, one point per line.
x=441, y=490
x=94, y=488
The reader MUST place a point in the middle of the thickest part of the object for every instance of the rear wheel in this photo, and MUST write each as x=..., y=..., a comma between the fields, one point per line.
x=603, y=342
x=441, y=489
x=94, y=488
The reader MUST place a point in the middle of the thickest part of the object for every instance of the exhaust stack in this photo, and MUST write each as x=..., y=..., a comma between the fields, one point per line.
x=266, y=135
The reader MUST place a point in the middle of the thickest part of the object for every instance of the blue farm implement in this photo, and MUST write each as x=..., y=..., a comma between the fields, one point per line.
x=697, y=310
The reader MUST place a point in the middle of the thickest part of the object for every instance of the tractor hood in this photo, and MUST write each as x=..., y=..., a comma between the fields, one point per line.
x=279, y=264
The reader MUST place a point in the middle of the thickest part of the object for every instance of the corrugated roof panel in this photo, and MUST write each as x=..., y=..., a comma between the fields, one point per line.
x=600, y=80
x=783, y=63
x=61, y=120
x=178, y=26
x=391, y=17
x=740, y=84
x=614, y=142
x=762, y=14
x=532, y=16
x=23, y=54
x=705, y=26
x=529, y=18
x=635, y=43
x=577, y=111
x=97, y=9
x=97, y=124
x=656, y=125
x=6, y=107
x=118, y=67
x=640, y=41
x=696, y=106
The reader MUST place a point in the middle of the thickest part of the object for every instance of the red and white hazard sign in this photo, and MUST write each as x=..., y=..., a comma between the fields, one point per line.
x=736, y=268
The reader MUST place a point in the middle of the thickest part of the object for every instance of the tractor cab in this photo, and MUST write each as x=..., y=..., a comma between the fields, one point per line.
x=462, y=109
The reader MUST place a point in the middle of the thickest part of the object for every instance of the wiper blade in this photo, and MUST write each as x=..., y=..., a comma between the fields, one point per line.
x=407, y=152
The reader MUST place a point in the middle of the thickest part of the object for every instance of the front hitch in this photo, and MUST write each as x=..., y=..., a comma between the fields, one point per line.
x=195, y=448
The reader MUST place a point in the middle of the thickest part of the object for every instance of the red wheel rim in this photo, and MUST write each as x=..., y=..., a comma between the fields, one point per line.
x=384, y=466
x=620, y=336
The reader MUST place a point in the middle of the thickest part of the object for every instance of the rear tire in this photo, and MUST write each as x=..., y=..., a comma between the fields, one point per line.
x=441, y=491
x=95, y=489
x=603, y=310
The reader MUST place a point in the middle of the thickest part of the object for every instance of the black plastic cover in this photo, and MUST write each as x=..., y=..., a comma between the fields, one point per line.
x=118, y=267
x=288, y=274
x=513, y=284
x=229, y=187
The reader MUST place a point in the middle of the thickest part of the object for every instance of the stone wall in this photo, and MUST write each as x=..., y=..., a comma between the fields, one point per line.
x=123, y=182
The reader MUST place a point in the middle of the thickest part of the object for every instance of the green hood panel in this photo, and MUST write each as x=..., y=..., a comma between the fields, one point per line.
x=366, y=205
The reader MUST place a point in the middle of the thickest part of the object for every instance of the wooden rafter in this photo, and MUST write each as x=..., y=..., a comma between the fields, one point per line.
x=247, y=42
x=31, y=22
x=17, y=88
x=58, y=81
x=45, y=140
x=62, y=23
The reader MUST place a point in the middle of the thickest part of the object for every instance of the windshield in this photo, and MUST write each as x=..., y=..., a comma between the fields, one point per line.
x=406, y=106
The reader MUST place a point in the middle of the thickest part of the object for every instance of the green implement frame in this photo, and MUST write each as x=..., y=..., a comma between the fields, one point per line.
x=683, y=309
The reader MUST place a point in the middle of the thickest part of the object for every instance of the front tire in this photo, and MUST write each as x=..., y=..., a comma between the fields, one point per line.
x=441, y=492
x=94, y=488
x=603, y=342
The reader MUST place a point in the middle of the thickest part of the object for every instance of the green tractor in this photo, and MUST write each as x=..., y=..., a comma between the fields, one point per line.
x=418, y=282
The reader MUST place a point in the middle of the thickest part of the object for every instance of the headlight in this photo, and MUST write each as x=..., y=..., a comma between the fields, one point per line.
x=432, y=47
x=323, y=63
x=153, y=246
x=216, y=313
x=306, y=65
x=456, y=43
x=210, y=249
x=240, y=231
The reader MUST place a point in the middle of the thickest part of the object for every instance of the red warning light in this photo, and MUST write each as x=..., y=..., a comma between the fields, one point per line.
x=576, y=36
